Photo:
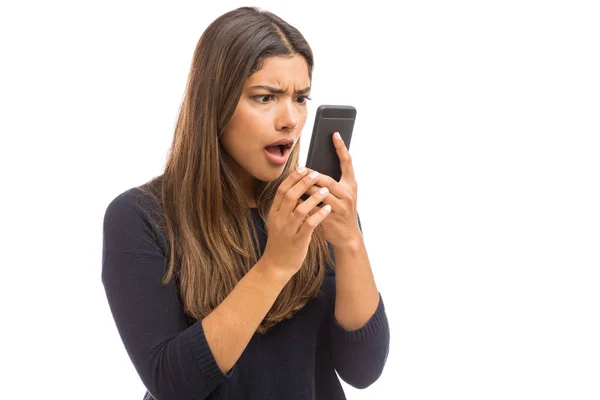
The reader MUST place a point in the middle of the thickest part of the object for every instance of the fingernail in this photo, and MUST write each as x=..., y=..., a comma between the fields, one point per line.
x=301, y=170
x=314, y=174
x=323, y=190
x=337, y=135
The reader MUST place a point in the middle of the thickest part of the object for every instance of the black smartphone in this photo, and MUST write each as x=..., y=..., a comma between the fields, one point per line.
x=322, y=155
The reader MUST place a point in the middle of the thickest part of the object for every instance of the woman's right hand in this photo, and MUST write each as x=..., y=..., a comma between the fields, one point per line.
x=290, y=223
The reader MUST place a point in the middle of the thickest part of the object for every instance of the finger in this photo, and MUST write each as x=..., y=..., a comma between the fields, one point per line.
x=313, y=211
x=286, y=185
x=314, y=220
x=344, y=156
x=290, y=199
x=334, y=186
x=303, y=210
x=331, y=199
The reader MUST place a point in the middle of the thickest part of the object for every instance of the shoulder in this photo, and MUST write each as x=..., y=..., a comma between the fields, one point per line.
x=133, y=218
x=134, y=205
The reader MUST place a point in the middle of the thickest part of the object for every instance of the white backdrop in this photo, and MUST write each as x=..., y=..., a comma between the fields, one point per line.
x=477, y=154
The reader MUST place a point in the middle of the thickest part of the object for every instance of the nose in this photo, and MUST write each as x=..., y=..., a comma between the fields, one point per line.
x=287, y=118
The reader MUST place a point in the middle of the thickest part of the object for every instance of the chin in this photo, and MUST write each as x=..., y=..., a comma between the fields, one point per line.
x=271, y=175
x=270, y=172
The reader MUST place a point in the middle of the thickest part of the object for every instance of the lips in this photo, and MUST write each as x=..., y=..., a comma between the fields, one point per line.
x=280, y=147
x=286, y=142
x=278, y=150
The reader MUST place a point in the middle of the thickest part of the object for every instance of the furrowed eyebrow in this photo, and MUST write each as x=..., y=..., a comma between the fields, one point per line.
x=279, y=91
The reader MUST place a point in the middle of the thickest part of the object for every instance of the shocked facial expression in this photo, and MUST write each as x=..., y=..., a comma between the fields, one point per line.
x=268, y=120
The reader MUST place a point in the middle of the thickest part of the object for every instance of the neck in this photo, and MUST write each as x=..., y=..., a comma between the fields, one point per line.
x=246, y=181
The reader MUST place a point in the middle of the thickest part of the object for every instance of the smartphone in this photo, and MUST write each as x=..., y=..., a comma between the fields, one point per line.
x=322, y=155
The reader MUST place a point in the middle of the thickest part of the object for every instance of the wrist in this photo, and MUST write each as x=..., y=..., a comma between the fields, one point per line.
x=272, y=272
x=351, y=245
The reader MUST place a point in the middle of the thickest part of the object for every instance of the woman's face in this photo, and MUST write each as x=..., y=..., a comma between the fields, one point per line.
x=272, y=107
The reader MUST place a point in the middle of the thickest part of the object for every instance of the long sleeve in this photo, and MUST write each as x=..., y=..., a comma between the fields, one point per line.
x=172, y=358
x=360, y=355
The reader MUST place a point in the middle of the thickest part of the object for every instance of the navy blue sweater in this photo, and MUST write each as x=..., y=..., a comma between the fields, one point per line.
x=296, y=359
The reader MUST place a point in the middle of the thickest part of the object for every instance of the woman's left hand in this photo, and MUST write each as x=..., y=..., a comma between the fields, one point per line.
x=340, y=228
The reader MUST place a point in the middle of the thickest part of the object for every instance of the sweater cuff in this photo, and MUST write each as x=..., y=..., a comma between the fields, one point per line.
x=204, y=355
x=377, y=322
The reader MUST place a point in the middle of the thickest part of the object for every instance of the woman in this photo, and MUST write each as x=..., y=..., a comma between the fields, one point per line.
x=220, y=278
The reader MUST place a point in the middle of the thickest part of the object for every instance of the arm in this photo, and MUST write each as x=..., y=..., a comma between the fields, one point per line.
x=357, y=296
x=360, y=330
x=230, y=326
x=173, y=359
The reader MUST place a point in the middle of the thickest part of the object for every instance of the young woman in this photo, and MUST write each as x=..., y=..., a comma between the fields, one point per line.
x=222, y=282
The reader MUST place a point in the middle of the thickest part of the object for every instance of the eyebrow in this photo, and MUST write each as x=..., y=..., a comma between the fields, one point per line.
x=279, y=91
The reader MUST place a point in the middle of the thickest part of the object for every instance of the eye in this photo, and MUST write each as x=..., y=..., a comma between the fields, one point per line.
x=303, y=99
x=263, y=98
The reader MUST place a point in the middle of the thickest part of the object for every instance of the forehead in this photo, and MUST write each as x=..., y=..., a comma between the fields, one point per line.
x=281, y=71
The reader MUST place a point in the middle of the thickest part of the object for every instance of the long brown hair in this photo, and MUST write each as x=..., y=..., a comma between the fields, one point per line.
x=205, y=213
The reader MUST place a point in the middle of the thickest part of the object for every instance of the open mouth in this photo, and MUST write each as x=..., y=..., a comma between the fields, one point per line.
x=279, y=150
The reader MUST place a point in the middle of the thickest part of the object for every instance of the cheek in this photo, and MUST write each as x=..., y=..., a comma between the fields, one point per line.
x=235, y=132
x=301, y=123
x=302, y=116
x=246, y=122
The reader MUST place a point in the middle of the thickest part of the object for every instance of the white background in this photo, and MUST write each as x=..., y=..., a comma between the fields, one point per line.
x=477, y=154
